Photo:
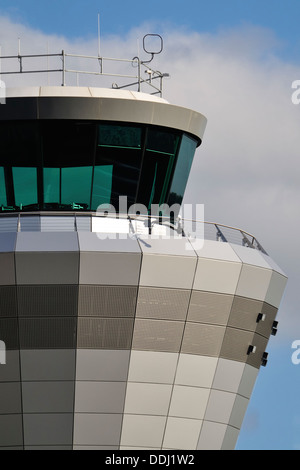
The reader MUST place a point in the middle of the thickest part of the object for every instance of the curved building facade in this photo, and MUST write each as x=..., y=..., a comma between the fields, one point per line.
x=120, y=332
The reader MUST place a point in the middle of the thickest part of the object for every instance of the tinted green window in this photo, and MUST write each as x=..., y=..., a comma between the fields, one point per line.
x=159, y=157
x=25, y=187
x=119, y=152
x=102, y=185
x=51, y=185
x=3, y=200
x=76, y=186
x=182, y=169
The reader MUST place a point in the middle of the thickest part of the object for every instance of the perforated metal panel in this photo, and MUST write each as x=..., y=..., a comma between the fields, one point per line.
x=157, y=335
x=104, y=333
x=48, y=332
x=202, y=339
x=210, y=307
x=167, y=304
x=8, y=301
x=107, y=301
x=47, y=300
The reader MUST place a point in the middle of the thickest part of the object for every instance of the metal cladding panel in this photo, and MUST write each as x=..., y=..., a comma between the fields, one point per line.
x=264, y=327
x=47, y=242
x=8, y=301
x=48, y=429
x=99, y=397
x=7, y=242
x=10, y=333
x=202, y=339
x=100, y=429
x=167, y=271
x=276, y=289
x=10, y=398
x=142, y=430
x=47, y=333
x=94, y=242
x=209, y=307
x=48, y=364
x=12, y=372
x=196, y=371
x=109, y=268
x=228, y=375
x=11, y=430
x=7, y=269
x=181, y=433
x=235, y=344
x=47, y=268
x=157, y=335
x=100, y=364
x=211, y=436
x=147, y=399
x=215, y=250
x=107, y=301
x=254, y=282
x=189, y=402
x=163, y=304
x=152, y=366
x=47, y=300
x=48, y=397
x=104, y=333
x=217, y=275
x=244, y=313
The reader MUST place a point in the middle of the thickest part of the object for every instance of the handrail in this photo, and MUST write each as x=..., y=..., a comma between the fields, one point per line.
x=245, y=238
x=96, y=70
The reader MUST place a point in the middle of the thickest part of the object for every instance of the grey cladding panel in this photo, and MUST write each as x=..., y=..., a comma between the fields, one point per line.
x=48, y=429
x=48, y=364
x=48, y=397
x=47, y=268
x=236, y=343
x=47, y=241
x=244, y=313
x=109, y=268
x=209, y=307
x=105, y=333
x=107, y=301
x=157, y=335
x=7, y=241
x=47, y=300
x=48, y=332
x=163, y=304
x=7, y=269
x=202, y=339
x=8, y=301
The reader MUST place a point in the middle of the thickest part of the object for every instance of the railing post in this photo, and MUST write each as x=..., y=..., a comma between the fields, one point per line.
x=63, y=68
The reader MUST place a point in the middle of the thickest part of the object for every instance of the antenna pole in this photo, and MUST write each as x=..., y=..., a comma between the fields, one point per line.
x=98, y=35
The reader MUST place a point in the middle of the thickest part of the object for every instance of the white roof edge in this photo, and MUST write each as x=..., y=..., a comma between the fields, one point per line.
x=77, y=91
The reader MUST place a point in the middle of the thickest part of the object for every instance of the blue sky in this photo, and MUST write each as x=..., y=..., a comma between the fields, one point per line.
x=233, y=58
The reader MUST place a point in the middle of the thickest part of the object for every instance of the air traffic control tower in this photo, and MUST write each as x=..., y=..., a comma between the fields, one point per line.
x=118, y=329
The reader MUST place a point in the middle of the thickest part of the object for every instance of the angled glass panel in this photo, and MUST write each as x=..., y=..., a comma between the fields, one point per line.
x=158, y=163
x=119, y=153
x=182, y=169
x=76, y=185
x=3, y=200
x=51, y=186
x=102, y=185
x=25, y=187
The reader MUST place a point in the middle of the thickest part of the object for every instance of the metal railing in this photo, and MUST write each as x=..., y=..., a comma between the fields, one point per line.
x=27, y=63
x=83, y=221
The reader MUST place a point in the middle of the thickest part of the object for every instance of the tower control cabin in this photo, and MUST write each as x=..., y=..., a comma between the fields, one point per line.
x=121, y=331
